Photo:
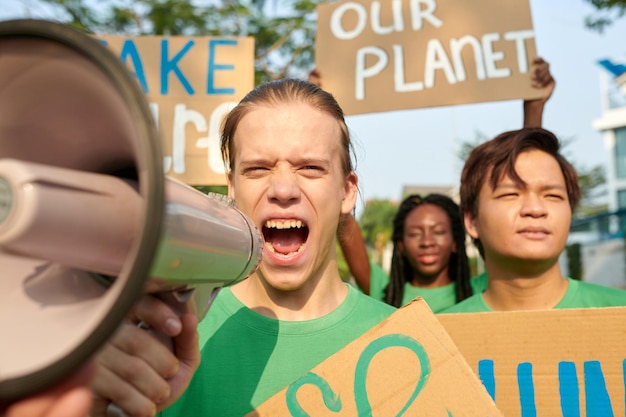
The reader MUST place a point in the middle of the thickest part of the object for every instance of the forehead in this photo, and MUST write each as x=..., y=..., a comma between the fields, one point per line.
x=534, y=167
x=427, y=213
x=287, y=127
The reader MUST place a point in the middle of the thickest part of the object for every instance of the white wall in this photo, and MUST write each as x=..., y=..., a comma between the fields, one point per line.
x=603, y=263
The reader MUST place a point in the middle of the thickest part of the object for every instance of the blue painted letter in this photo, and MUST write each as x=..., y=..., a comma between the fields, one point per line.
x=597, y=397
x=486, y=375
x=130, y=50
x=168, y=65
x=212, y=66
x=526, y=387
x=568, y=388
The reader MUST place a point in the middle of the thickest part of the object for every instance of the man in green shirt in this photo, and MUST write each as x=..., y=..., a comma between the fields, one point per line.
x=288, y=151
x=517, y=197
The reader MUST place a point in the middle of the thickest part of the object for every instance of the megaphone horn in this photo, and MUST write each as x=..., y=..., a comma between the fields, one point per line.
x=68, y=102
x=86, y=214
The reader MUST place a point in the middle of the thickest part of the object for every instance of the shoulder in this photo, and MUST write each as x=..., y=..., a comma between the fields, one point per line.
x=378, y=280
x=377, y=271
x=473, y=304
x=369, y=305
x=479, y=282
x=603, y=296
x=224, y=308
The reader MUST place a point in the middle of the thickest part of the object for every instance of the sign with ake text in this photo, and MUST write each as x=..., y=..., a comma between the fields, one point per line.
x=191, y=84
x=377, y=56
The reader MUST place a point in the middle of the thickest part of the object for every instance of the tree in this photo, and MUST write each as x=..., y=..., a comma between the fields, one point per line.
x=607, y=11
x=284, y=31
x=468, y=146
x=377, y=221
x=594, y=192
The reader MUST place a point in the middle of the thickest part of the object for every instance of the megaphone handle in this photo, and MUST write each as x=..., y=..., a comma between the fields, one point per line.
x=114, y=411
x=173, y=298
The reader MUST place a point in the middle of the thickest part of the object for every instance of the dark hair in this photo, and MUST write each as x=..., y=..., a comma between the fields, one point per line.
x=492, y=160
x=278, y=92
x=401, y=270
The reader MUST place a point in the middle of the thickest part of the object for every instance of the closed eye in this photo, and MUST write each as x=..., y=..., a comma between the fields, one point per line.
x=254, y=170
x=312, y=170
x=507, y=195
x=558, y=197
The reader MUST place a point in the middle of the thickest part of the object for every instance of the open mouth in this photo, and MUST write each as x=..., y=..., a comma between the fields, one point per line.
x=285, y=237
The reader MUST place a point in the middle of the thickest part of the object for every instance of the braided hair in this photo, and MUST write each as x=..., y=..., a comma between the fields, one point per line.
x=401, y=269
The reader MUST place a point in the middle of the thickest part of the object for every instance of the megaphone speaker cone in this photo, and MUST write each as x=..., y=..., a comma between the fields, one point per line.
x=68, y=102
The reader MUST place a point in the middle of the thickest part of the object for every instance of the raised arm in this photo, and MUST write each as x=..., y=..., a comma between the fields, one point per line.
x=355, y=251
x=540, y=77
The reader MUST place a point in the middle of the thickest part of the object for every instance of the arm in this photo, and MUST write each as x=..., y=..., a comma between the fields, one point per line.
x=139, y=373
x=355, y=252
x=540, y=78
x=315, y=78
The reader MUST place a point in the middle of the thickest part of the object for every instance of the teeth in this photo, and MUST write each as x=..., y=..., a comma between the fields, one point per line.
x=283, y=224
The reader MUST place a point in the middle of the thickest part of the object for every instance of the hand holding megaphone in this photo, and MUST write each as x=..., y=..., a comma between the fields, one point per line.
x=137, y=373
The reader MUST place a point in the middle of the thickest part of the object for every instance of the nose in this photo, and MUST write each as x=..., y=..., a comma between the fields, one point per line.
x=426, y=239
x=284, y=187
x=533, y=206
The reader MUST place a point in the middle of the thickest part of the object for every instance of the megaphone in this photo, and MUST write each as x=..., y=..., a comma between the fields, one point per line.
x=86, y=213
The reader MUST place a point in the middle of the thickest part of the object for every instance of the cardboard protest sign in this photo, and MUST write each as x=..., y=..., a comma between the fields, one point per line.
x=407, y=365
x=191, y=83
x=377, y=56
x=547, y=363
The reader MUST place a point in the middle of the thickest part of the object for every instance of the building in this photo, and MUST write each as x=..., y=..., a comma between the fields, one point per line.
x=600, y=241
x=612, y=124
x=423, y=190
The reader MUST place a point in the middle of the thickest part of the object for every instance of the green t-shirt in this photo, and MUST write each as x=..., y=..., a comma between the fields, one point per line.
x=437, y=299
x=248, y=357
x=579, y=294
x=378, y=281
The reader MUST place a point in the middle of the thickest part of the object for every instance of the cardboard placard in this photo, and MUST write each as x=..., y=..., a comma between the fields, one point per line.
x=191, y=83
x=568, y=363
x=407, y=365
x=377, y=56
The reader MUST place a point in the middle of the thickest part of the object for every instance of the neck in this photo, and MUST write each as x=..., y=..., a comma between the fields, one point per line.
x=524, y=288
x=440, y=280
x=314, y=299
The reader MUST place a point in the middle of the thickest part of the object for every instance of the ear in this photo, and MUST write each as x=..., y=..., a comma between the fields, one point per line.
x=454, y=248
x=349, y=193
x=231, y=189
x=470, y=225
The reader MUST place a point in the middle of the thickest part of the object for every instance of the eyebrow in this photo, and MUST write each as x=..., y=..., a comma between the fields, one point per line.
x=310, y=161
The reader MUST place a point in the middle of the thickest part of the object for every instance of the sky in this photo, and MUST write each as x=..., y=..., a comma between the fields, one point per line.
x=419, y=147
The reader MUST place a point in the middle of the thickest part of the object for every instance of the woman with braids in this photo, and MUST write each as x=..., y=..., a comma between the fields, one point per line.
x=429, y=258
